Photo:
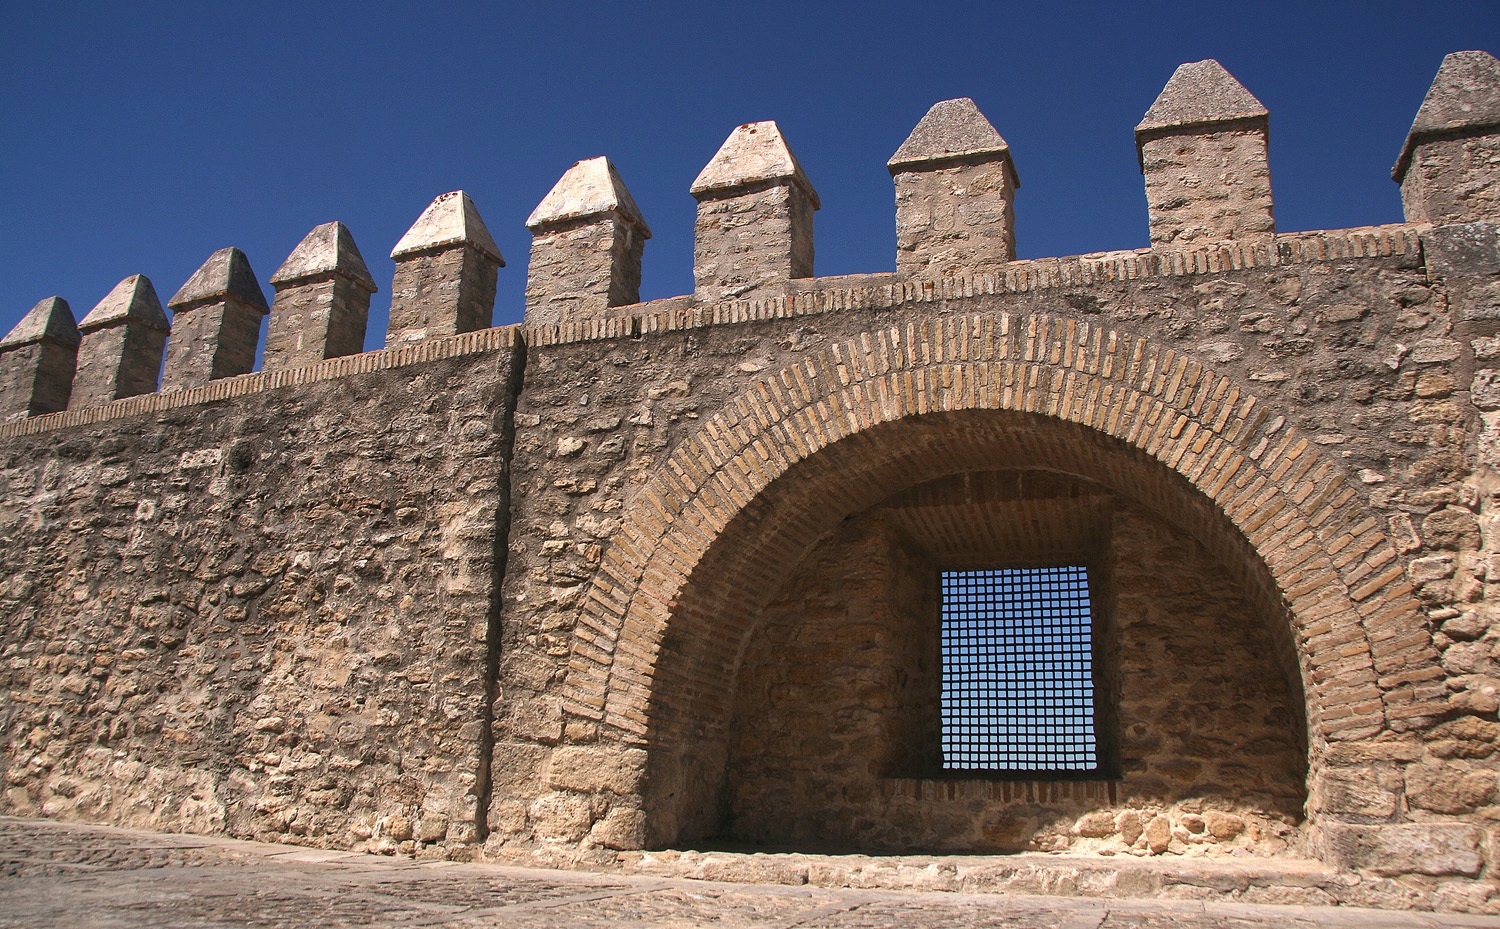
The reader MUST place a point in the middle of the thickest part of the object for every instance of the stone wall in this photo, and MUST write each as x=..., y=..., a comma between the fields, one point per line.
x=269, y=616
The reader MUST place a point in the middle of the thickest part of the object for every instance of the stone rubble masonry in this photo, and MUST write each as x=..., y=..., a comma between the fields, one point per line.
x=123, y=338
x=37, y=361
x=1447, y=165
x=322, y=301
x=446, y=269
x=215, y=322
x=755, y=216
x=1203, y=150
x=955, y=194
x=588, y=237
x=285, y=616
x=565, y=592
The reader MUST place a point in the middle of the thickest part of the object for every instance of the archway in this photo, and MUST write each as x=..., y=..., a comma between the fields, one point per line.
x=745, y=499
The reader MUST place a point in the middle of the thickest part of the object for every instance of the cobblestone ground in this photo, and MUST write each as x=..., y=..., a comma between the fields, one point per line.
x=80, y=877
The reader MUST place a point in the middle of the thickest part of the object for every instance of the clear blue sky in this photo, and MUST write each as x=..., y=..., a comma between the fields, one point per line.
x=138, y=138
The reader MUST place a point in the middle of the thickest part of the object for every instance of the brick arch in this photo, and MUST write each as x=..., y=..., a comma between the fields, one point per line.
x=656, y=642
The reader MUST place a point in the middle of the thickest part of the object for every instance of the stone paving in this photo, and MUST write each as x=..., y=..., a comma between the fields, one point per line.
x=87, y=877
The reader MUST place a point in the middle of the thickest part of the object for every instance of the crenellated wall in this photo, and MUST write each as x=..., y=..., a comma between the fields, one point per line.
x=658, y=575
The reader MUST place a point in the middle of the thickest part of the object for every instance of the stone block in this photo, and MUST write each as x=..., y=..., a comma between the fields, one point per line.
x=1393, y=850
x=1451, y=529
x=1485, y=389
x=595, y=768
x=516, y=768
x=1357, y=792
x=1223, y=826
x=1465, y=259
x=621, y=828
x=560, y=817
x=1449, y=789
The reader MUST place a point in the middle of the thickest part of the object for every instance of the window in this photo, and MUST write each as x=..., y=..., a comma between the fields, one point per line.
x=1018, y=671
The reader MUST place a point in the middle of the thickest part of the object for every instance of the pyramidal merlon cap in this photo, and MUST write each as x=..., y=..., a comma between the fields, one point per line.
x=1464, y=95
x=1201, y=92
x=50, y=320
x=952, y=129
x=451, y=219
x=589, y=188
x=753, y=153
x=226, y=273
x=329, y=249
x=131, y=300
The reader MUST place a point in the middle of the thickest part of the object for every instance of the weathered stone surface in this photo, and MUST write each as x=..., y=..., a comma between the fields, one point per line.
x=621, y=828
x=216, y=322
x=1359, y=792
x=139, y=880
x=955, y=194
x=951, y=129
x=1435, y=849
x=1451, y=528
x=1158, y=834
x=50, y=320
x=755, y=215
x=1448, y=789
x=446, y=266
x=1465, y=257
x=587, y=241
x=561, y=817
x=1202, y=148
x=1465, y=737
x=586, y=190
x=275, y=623
x=322, y=300
x=754, y=153
x=590, y=769
x=122, y=341
x=327, y=250
x=226, y=275
x=1199, y=93
x=1447, y=164
x=450, y=220
x=132, y=300
x=37, y=361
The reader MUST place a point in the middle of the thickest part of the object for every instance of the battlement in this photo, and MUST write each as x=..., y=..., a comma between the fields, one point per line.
x=1203, y=154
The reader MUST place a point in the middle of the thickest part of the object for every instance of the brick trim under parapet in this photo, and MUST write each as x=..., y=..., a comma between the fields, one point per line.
x=813, y=296
x=469, y=343
x=880, y=291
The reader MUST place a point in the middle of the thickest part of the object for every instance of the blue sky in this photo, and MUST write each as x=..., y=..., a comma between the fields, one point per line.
x=140, y=138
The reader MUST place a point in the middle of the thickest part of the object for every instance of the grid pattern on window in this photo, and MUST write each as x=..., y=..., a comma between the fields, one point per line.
x=1018, y=681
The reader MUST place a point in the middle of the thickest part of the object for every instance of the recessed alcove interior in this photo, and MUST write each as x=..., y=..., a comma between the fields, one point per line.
x=797, y=701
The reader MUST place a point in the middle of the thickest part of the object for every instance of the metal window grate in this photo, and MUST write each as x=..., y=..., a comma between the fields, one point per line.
x=1018, y=675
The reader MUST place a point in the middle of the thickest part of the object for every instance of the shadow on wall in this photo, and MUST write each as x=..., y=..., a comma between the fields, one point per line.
x=810, y=717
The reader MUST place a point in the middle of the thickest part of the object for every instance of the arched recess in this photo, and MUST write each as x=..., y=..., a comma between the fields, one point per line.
x=745, y=497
